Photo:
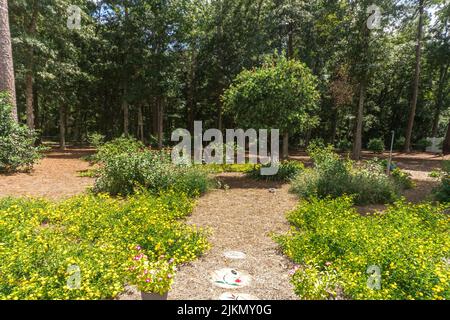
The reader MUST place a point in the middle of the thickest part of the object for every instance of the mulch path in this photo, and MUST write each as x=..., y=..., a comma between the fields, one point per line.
x=241, y=219
x=55, y=177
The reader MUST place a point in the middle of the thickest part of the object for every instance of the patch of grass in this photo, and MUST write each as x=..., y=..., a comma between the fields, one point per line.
x=287, y=170
x=89, y=173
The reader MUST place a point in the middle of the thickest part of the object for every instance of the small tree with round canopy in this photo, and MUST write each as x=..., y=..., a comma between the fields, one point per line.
x=281, y=94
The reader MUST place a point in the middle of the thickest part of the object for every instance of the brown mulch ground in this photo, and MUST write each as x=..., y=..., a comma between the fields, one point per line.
x=241, y=218
x=55, y=177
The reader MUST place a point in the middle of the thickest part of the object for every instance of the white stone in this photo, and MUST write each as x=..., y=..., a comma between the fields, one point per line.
x=234, y=255
x=228, y=278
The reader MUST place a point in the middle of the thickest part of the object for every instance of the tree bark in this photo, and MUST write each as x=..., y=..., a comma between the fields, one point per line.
x=29, y=100
x=439, y=99
x=62, y=127
x=412, y=112
x=29, y=81
x=191, y=93
x=140, y=124
x=446, y=144
x=357, y=143
x=7, y=80
x=285, y=154
x=126, y=119
x=160, y=123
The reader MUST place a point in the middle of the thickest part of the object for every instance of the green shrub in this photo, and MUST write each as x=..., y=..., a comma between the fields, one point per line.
x=17, y=149
x=96, y=139
x=344, y=145
x=334, y=177
x=403, y=179
x=287, y=170
x=122, y=145
x=97, y=235
x=423, y=144
x=399, y=143
x=442, y=192
x=123, y=173
x=337, y=249
x=376, y=145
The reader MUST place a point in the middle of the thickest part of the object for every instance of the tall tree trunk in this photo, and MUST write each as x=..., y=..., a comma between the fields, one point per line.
x=7, y=80
x=62, y=126
x=219, y=114
x=285, y=154
x=37, y=118
x=140, y=123
x=412, y=112
x=29, y=81
x=357, y=143
x=29, y=99
x=446, y=144
x=160, y=123
x=191, y=93
x=126, y=118
x=155, y=120
x=290, y=56
x=334, y=125
x=439, y=99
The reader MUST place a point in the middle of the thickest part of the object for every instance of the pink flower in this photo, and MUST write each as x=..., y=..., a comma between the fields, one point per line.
x=145, y=271
x=148, y=280
x=294, y=270
x=169, y=276
x=328, y=263
x=138, y=248
x=171, y=260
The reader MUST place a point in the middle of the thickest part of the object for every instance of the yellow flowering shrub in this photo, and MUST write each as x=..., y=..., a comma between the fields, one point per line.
x=44, y=246
x=401, y=253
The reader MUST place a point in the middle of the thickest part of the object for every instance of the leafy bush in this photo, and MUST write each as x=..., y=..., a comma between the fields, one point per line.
x=442, y=192
x=334, y=177
x=119, y=146
x=287, y=170
x=41, y=242
x=403, y=179
x=281, y=94
x=376, y=145
x=344, y=145
x=122, y=173
x=337, y=250
x=399, y=143
x=96, y=139
x=17, y=150
x=423, y=144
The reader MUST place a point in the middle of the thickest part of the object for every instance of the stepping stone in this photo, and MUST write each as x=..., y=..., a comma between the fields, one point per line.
x=237, y=296
x=272, y=190
x=228, y=278
x=237, y=255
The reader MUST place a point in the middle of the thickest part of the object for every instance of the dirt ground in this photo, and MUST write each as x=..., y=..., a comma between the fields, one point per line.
x=55, y=177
